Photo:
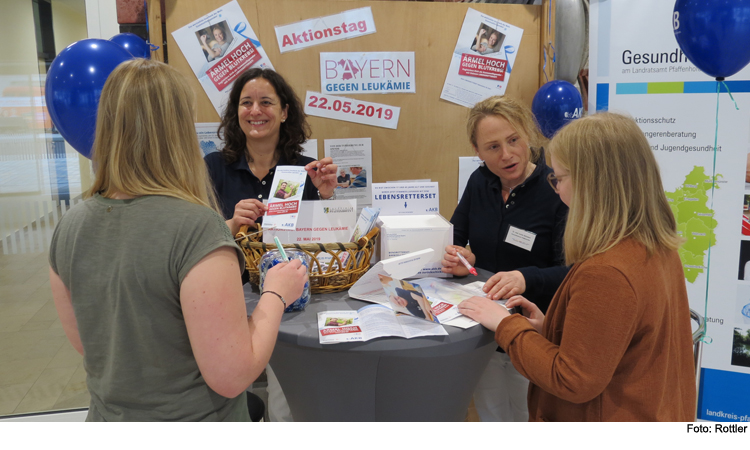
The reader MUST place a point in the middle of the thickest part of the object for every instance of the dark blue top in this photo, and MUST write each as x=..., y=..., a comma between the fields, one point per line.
x=482, y=219
x=235, y=182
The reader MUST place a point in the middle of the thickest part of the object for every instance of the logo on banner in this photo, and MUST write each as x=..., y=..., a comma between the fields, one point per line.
x=223, y=73
x=482, y=67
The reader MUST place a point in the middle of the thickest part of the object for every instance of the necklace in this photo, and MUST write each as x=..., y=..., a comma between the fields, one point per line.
x=529, y=170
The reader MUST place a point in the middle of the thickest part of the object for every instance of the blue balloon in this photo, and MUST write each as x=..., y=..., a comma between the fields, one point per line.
x=134, y=44
x=73, y=87
x=555, y=104
x=713, y=34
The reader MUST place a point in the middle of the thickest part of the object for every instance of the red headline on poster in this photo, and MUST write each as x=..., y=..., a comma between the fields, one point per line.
x=482, y=67
x=340, y=330
x=223, y=73
x=441, y=308
x=283, y=208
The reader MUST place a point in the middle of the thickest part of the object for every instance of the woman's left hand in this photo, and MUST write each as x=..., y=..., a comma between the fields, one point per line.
x=484, y=311
x=324, y=179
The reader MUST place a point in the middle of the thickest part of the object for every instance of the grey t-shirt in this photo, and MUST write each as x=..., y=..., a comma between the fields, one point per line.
x=123, y=262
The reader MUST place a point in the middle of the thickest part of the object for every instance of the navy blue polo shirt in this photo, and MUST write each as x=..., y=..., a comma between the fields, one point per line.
x=482, y=219
x=235, y=182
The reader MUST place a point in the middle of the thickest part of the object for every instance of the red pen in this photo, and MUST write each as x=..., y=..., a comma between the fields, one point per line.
x=472, y=270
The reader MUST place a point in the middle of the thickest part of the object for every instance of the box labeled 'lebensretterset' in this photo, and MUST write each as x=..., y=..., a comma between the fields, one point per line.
x=400, y=235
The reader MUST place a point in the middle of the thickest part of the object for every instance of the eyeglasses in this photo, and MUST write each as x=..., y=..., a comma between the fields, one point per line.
x=555, y=179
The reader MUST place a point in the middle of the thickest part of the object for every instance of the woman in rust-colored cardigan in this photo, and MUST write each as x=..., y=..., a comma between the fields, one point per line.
x=616, y=343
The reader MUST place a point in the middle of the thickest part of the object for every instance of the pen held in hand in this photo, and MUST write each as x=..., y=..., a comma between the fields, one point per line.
x=472, y=270
x=281, y=249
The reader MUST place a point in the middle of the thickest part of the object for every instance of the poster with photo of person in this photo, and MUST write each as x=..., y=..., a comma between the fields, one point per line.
x=219, y=46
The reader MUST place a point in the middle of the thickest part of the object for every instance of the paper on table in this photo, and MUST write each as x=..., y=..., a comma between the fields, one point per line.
x=370, y=289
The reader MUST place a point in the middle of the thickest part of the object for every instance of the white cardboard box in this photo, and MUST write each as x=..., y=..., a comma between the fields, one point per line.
x=400, y=235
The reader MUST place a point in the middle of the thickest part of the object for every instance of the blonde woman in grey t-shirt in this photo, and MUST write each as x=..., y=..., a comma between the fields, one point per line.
x=145, y=274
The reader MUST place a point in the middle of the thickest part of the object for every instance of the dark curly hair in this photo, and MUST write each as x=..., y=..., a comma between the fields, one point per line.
x=293, y=133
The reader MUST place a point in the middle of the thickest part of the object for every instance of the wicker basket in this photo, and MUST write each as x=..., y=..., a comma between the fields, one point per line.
x=332, y=277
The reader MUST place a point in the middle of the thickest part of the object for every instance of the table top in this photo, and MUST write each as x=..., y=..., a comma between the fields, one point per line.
x=301, y=327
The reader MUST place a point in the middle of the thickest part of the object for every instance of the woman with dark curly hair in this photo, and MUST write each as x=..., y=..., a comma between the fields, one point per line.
x=264, y=126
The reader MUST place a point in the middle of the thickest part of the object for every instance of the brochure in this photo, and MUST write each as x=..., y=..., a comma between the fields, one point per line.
x=406, y=298
x=354, y=158
x=365, y=223
x=320, y=221
x=406, y=198
x=286, y=195
x=370, y=322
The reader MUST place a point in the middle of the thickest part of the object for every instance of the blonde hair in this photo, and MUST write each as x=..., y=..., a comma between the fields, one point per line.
x=518, y=115
x=145, y=141
x=616, y=188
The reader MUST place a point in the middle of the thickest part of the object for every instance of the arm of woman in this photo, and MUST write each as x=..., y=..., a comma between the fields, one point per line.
x=64, y=306
x=600, y=320
x=231, y=349
x=324, y=178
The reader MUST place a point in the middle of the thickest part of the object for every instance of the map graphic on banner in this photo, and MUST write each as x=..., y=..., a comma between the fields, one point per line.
x=695, y=221
x=637, y=68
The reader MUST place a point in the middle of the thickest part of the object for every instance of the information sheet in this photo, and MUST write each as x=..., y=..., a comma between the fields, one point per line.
x=354, y=158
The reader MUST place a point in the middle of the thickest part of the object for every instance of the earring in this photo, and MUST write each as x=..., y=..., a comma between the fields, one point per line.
x=283, y=120
x=481, y=163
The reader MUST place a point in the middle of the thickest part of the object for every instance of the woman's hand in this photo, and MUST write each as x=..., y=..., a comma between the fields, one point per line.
x=530, y=310
x=324, y=179
x=246, y=212
x=453, y=265
x=484, y=311
x=287, y=280
x=505, y=285
x=203, y=38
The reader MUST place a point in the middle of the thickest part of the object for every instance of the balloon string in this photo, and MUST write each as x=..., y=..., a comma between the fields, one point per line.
x=730, y=95
x=703, y=337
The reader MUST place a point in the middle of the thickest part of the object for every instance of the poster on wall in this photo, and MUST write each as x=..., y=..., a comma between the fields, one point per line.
x=483, y=59
x=636, y=67
x=219, y=47
x=320, y=30
x=208, y=140
x=367, y=72
x=354, y=158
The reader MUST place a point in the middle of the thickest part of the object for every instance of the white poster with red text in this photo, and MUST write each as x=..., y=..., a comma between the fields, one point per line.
x=483, y=59
x=219, y=47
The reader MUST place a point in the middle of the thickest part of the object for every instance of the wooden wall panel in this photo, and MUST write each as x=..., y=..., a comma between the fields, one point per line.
x=431, y=132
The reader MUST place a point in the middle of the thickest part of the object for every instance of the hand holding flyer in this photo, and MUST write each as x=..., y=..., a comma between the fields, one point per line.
x=286, y=195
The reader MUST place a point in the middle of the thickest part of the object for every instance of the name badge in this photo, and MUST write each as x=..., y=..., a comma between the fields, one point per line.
x=520, y=238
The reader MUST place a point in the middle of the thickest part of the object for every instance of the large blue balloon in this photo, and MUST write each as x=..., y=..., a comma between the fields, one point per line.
x=713, y=34
x=74, y=85
x=555, y=104
x=134, y=44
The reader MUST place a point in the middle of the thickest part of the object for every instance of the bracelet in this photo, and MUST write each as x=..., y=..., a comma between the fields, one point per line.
x=277, y=295
x=333, y=197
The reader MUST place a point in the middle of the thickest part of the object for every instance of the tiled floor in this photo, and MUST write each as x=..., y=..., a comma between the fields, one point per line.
x=39, y=369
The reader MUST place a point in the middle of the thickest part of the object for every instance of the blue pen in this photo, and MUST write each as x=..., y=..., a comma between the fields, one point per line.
x=281, y=249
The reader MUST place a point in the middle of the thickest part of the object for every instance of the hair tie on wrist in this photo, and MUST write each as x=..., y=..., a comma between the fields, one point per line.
x=277, y=295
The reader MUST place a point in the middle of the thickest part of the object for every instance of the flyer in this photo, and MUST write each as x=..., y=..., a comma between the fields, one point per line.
x=319, y=221
x=219, y=47
x=284, y=205
x=354, y=158
x=482, y=61
x=208, y=140
x=466, y=166
x=406, y=198
x=367, y=72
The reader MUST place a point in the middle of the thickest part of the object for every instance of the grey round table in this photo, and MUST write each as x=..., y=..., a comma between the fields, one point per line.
x=385, y=379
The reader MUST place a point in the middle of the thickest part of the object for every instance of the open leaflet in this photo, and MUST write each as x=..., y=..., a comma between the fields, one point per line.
x=370, y=322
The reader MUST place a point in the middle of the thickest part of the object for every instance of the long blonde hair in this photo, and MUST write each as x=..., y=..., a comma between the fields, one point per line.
x=617, y=191
x=145, y=141
x=519, y=116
